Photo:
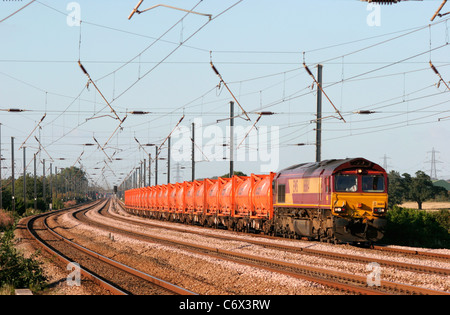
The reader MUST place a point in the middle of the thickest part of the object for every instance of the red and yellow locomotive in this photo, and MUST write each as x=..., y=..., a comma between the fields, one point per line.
x=334, y=200
x=343, y=200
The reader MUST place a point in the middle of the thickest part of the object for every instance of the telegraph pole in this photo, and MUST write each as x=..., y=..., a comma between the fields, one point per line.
x=319, y=115
x=145, y=172
x=35, y=187
x=56, y=183
x=1, y=187
x=149, y=169
x=231, y=139
x=139, y=174
x=168, y=161
x=44, y=197
x=156, y=166
x=51, y=187
x=193, y=152
x=24, y=179
x=13, y=182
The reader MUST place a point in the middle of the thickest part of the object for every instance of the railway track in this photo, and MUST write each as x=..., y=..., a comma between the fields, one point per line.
x=268, y=242
x=411, y=253
x=113, y=276
x=339, y=280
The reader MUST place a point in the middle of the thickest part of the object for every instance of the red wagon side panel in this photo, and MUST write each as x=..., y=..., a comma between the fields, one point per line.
x=239, y=196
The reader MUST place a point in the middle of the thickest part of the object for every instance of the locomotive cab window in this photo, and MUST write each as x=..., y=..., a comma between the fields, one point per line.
x=373, y=183
x=346, y=183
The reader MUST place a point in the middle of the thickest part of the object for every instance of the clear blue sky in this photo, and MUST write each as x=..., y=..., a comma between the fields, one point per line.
x=258, y=46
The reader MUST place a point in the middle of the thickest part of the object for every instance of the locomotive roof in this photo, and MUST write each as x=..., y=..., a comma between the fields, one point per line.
x=330, y=166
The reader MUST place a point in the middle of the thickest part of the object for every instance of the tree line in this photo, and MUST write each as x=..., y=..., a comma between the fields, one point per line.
x=49, y=192
x=418, y=189
x=411, y=227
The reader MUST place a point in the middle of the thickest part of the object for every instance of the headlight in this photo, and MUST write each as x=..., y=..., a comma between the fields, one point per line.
x=379, y=210
x=339, y=209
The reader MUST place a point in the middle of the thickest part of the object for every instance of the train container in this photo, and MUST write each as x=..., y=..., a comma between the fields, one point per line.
x=200, y=197
x=225, y=196
x=212, y=196
x=262, y=196
x=152, y=197
x=160, y=198
x=180, y=198
x=147, y=197
x=244, y=189
x=165, y=198
x=172, y=197
x=190, y=198
x=144, y=198
x=138, y=199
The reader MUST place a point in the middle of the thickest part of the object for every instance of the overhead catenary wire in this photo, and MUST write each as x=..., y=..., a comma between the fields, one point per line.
x=135, y=10
x=98, y=90
x=241, y=51
x=17, y=11
x=439, y=75
x=176, y=48
x=149, y=46
x=43, y=117
x=211, y=113
x=169, y=135
x=43, y=148
x=226, y=85
x=293, y=97
x=319, y=86
x=309, y=51
x=118, y=127
x=193, y=104
x=101, y=148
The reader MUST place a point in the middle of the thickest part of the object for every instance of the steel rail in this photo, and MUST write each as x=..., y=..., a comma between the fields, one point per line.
x=96, y=278
x=89, y=275
x=159, y=282
x=329, y=255
x=412, y=252
x=353, y=283
x=252, y=261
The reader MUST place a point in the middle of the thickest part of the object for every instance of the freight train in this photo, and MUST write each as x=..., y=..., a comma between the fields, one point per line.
x=334, y=200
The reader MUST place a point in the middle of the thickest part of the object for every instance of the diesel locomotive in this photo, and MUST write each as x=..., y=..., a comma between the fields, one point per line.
x=334, y=200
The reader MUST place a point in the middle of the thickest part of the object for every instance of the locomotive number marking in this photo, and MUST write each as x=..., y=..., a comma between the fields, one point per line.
x=295, y=186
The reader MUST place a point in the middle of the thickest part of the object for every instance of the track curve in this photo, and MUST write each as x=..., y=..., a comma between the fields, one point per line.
x=115, y=277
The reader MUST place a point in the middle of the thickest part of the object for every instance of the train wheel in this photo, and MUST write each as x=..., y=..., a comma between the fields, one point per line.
x=231, y=224
x=268, y=227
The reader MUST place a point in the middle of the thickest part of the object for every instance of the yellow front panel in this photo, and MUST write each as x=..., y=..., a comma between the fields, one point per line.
x=359, y=205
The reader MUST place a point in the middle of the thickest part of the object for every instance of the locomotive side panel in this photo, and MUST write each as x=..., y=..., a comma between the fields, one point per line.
x=298, y=191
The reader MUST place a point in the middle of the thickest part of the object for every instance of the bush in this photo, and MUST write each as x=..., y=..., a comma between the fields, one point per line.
x=70, y=203
x=410, y=227
x=443, y=217
x=17, y=271
x=6, y=220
